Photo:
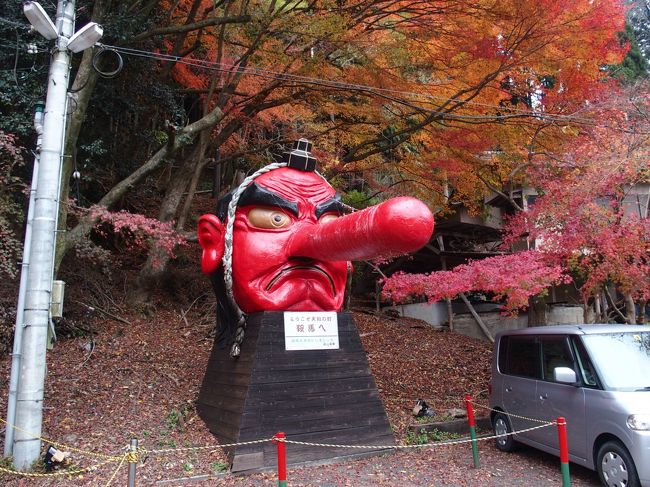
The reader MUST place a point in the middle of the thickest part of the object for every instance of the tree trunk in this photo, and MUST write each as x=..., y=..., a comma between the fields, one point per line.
x=450, y=308
x=377, y=297
x=630, y=310
x=598, y=311
x=191, y=190
x=186, y=179
x=613, y=304
x=189, y=174
x=154, y=267
x=181, y=138
x=604, y=318
x=82, y=89
x=477, y=318
x=536, y=311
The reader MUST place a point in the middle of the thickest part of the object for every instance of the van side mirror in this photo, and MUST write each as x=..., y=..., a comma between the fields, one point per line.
x=564, y=375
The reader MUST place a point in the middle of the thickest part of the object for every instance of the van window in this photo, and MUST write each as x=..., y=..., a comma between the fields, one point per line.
x=621, y=359
x=519, y=355
x=555, y=353
x=587, y=370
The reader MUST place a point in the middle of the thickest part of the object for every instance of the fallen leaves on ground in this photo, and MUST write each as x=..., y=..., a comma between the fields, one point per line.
x=141, y=380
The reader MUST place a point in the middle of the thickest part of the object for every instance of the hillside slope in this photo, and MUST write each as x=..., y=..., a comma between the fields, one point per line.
x=141, y=380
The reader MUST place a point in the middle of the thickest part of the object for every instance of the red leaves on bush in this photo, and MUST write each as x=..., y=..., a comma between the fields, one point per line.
x=513, y=277
x=139, y=230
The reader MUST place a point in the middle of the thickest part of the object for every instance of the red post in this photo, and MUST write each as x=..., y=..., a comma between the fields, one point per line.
x=472, y=429
x=470, y=411
x=278, y=439
x=564, y=451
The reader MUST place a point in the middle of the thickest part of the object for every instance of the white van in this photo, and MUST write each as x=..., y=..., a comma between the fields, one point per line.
x=595, y=376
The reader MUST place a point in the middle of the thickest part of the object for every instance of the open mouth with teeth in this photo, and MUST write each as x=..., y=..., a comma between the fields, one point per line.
x=301, y=267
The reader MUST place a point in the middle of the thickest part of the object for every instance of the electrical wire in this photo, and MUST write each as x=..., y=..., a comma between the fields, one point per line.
x=98, y=55
x=264, y=73
x=13, y=23
x=15, y=50
x=20, y=44
x=274, y=75
x=268, y=74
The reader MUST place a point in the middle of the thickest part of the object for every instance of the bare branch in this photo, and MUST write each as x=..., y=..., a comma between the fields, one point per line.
x=178, y=29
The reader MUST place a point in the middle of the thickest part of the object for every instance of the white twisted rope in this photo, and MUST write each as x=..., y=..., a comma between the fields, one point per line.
x=459, y=441
x=206, y=447
x=235, y=350
x=508, y=414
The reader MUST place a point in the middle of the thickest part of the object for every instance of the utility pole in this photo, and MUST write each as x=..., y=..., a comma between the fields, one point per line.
x=20, y=307
x=29, y=353
x=29, y=401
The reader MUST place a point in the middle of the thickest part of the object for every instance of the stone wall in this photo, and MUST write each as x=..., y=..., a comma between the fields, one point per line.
x=464, y=323
x=495, y=322
x=433, y=313
x=564, y=315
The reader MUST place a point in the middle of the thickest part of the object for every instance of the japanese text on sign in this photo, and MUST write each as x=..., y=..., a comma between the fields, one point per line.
x=311, y=330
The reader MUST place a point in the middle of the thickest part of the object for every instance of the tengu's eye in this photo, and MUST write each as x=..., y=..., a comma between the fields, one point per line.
x=268, y=218
x=328, y=218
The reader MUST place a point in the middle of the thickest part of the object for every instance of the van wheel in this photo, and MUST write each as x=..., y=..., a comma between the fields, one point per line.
x=503, y=432
x=615, y=466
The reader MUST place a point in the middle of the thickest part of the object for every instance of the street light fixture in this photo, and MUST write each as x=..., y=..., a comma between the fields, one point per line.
x=40, y=20
x=85, y=37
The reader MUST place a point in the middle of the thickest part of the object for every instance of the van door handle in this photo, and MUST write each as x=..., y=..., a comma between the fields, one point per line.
x=508, y=389
x=543, y=396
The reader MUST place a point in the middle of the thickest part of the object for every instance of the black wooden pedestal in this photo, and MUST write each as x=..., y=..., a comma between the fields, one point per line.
x=319, y=396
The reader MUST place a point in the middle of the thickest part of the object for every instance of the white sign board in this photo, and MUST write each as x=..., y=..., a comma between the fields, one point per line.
x=311, y=330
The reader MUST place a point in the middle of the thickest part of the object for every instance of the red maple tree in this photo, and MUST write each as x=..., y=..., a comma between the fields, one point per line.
x=590, y=222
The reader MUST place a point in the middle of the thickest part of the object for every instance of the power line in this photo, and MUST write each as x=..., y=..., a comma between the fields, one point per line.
x=13, y=23
x=18, y=45
x=268, y=74
x=265, y=73
x=275, y=75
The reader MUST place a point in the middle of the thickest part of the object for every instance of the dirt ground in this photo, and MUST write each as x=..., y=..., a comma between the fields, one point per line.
x=438, y=467
x=429, y=467
x=141, y=379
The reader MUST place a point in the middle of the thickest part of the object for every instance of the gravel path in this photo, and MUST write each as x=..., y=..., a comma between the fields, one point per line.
x=442, y=467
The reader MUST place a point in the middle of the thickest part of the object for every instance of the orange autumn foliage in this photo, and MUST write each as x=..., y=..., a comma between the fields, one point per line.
x=460, y=90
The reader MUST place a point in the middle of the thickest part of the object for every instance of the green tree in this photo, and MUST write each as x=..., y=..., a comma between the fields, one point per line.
x=11, y=214
x=635, y=66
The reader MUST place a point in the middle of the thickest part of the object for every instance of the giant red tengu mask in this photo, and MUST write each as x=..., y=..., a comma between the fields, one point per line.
x=281, y=241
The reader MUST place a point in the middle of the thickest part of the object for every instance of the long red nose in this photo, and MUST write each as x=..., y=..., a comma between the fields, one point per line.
x=394, y=227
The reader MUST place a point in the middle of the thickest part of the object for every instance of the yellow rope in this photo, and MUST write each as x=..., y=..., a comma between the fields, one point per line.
x=124, y=457
x=459, y=441
x=132, y=456
x=60, y=472
x=59, y=445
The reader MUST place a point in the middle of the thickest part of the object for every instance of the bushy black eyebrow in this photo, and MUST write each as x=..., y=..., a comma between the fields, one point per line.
x=333, y=204
x=259, y=196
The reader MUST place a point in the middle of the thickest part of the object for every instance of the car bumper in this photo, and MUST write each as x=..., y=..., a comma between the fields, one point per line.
x=640, y=451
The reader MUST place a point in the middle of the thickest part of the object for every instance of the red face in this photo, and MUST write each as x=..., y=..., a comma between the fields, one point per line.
x=268, y=275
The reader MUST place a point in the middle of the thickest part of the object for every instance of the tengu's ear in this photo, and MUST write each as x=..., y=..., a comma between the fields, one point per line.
x=211, y=234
